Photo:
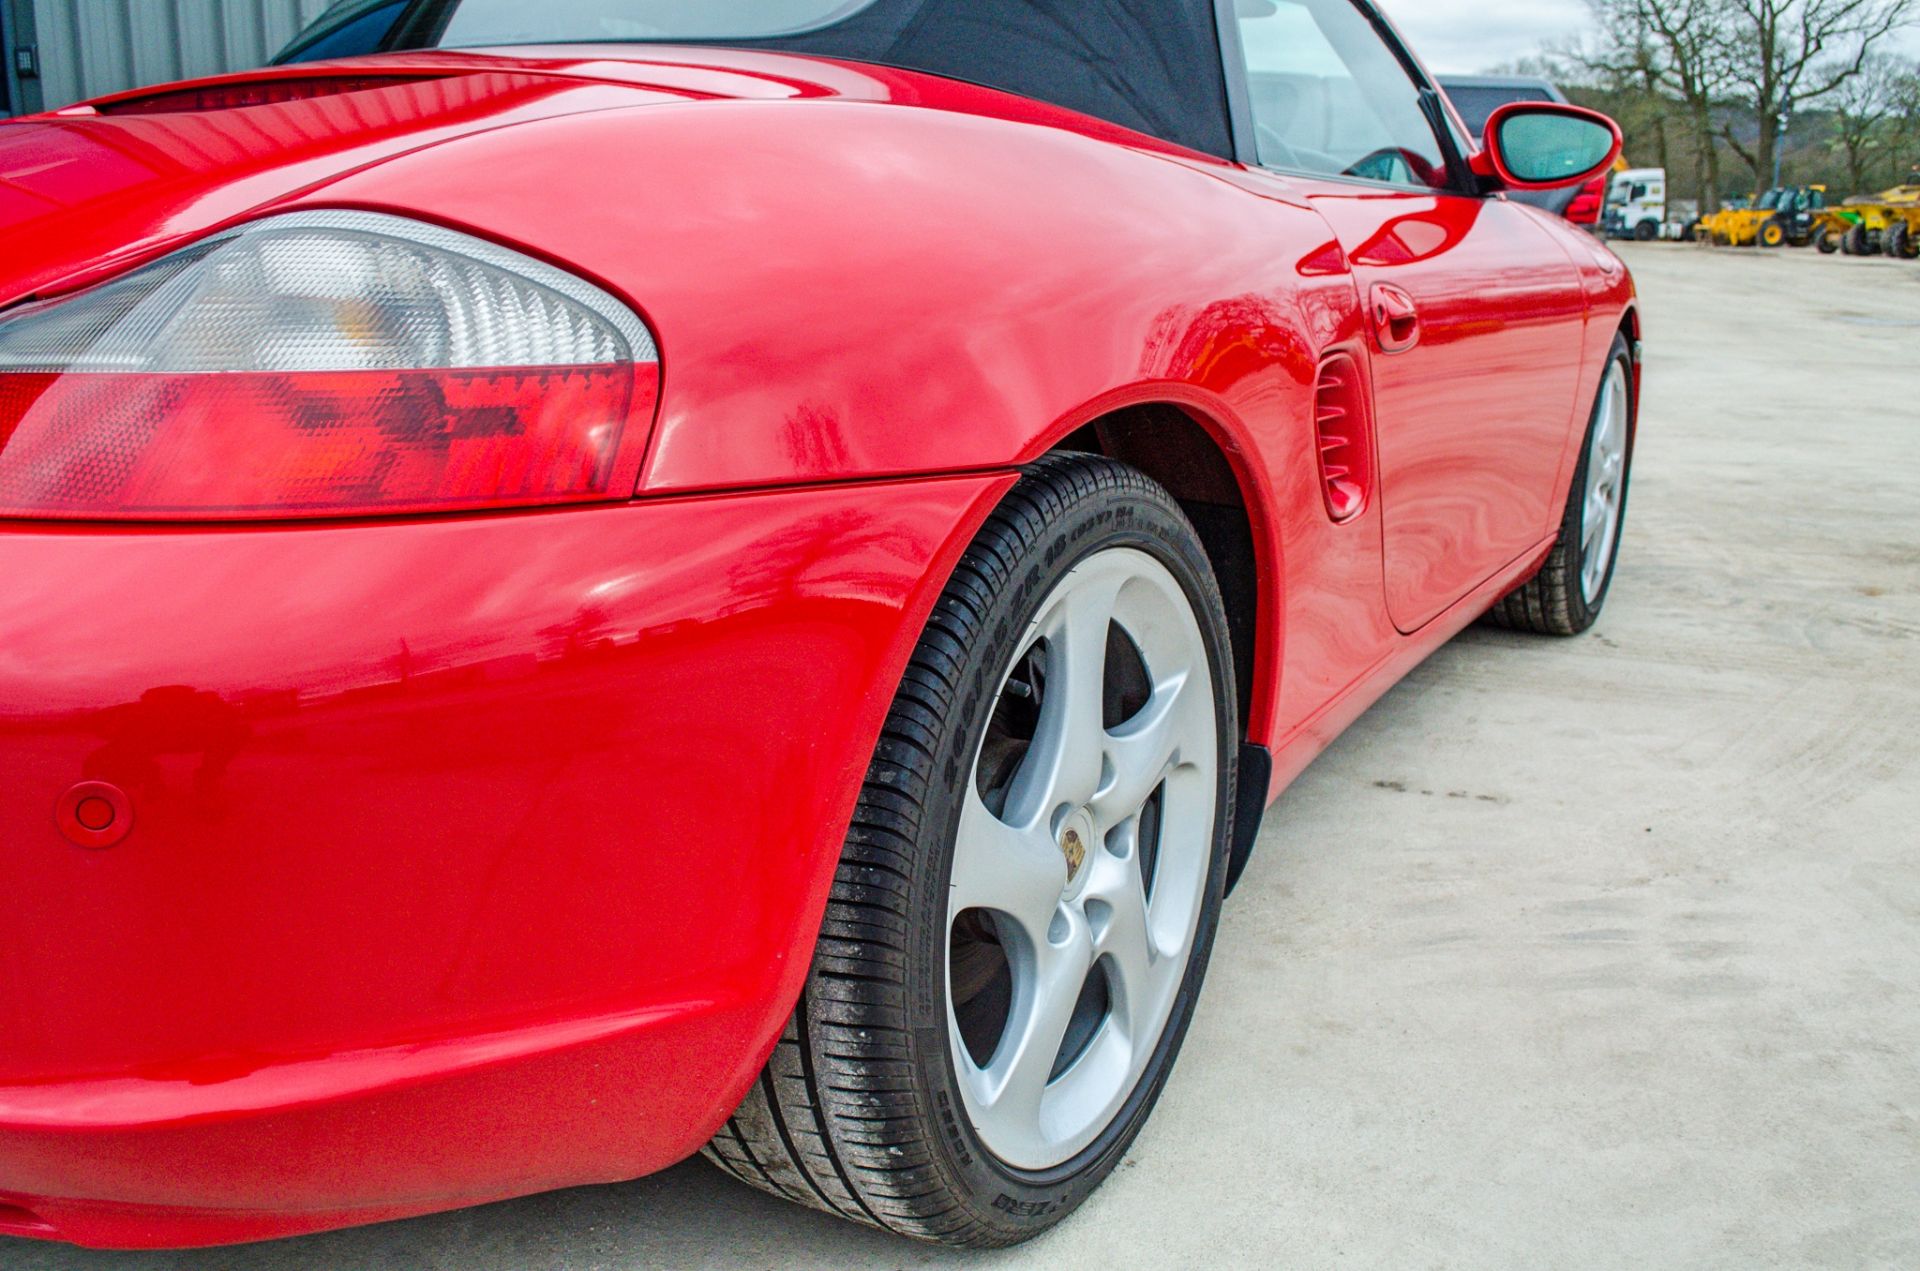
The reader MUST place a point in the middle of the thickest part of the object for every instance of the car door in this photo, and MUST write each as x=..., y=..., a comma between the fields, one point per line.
x=1476, y=307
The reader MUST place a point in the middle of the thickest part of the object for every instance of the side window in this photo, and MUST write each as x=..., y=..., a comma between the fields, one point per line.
x=1329, y=96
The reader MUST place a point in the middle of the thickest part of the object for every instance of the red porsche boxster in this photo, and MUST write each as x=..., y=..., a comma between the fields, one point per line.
x=615, y=576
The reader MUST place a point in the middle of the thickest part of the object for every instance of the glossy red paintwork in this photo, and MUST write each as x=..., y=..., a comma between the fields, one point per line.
x=85, y=196
x=1474, y=417
x=475, y=856
x=504, y=835
x=1586, y=208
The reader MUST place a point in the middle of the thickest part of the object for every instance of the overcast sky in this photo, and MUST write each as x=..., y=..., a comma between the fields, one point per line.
x=1475, y=35
x=1464, y=36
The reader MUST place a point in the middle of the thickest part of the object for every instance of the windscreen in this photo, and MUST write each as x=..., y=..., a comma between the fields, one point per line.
x=1150, y=65
x=481, y=22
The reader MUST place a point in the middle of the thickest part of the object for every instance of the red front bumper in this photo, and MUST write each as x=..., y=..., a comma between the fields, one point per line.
x=469, y=858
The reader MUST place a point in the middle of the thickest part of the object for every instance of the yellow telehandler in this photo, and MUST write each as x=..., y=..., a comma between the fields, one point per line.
x=1781, y=217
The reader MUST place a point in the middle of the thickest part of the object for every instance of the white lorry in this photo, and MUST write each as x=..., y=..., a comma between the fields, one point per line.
x=1637, y=205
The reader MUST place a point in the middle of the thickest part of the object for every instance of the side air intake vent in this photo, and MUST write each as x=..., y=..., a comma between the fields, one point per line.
x=1344, y=428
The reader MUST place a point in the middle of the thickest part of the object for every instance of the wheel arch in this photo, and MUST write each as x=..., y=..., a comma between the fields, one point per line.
x=1630, y=328
x=1200, y=458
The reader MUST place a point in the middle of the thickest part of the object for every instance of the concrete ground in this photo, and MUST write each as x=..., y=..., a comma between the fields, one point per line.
x=1597, y=953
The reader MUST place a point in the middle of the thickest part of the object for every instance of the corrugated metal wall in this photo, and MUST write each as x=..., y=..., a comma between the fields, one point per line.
x=10, y=94
x=90, y=47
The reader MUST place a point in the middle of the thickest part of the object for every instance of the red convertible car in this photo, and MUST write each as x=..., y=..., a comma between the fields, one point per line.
x=618, y=576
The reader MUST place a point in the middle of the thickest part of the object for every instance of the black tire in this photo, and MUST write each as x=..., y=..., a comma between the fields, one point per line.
x=1899, y=242
x=1774, y=232
x=1646, y=231
x=1858, y=241
x=858, y=1112
x=1825, y=241
x=1553, y=602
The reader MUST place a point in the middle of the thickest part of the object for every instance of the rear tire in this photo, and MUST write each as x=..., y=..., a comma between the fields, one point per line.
x=1900, y=244
x=1858, y=242
x=876, y=1103
x=1565, y=597
x=1824, y=240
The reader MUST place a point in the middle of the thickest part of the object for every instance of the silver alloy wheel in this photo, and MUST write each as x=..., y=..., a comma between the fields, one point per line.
x=1606, y=484
x=1091, y=873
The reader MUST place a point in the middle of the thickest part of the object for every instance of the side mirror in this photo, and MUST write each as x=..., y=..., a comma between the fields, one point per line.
x=1547, y=146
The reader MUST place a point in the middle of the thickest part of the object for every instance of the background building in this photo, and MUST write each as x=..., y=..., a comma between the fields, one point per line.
x=60, y=51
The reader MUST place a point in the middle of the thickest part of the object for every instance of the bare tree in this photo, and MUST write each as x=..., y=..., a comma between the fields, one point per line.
x=1677, y=47
x=1632, y=68
x=1905, y=130
x=1863, y=109
x=1786, y=54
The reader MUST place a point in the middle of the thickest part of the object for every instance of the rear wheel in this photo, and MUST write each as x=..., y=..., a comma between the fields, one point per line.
x=1023, y=915
x=1900, y=242
x=1825, y=241
x=1566, y=596
x=1858, y=242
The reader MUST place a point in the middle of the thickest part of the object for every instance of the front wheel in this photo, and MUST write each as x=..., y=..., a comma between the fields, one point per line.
x=1566, y=596
x=1826, y=242
x=1646, y=231
x=1900, y=243
x=1024, y=910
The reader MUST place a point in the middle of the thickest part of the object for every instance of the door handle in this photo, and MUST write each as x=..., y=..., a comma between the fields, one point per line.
x=1396, y=319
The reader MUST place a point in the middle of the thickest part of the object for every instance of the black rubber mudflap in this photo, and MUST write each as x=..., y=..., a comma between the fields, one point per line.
x=1256, y=777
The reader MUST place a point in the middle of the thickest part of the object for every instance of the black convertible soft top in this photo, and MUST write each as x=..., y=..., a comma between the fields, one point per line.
x=1150, y=65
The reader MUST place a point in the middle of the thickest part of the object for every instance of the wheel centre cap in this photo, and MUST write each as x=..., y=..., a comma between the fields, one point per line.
x=1076, y=840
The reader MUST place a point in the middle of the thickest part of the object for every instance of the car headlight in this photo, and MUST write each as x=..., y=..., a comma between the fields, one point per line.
x=323, y=364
